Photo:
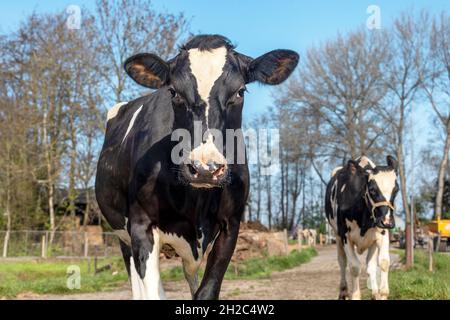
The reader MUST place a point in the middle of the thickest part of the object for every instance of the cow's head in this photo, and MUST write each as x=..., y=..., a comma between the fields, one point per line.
x=206, y=83
x=382, y=188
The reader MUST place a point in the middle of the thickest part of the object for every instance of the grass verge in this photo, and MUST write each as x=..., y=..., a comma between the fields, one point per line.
x=50, y=277
x=418, y=282
x=44, y=277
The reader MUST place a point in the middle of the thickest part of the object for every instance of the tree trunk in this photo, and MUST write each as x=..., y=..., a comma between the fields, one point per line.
x=88, y=208
x=269, y=200
x=403, y=190
x=441, y=177
x=73, y=163
x=50, y=184
x=8, y=207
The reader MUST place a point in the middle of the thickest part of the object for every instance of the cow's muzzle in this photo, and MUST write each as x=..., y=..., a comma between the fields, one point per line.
x=209, y=175
x=387, y=221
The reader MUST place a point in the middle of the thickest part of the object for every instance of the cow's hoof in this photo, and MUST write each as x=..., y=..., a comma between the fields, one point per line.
x=384, y=296
x=343, y=294
x=356, y=296
x=376, y=296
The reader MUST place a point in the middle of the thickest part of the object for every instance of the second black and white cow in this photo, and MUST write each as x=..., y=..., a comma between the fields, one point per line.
x=359, y=206
x=189, y=200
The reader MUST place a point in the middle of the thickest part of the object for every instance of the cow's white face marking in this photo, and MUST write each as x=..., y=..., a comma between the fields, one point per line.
x=112, y=113
x=133, y=119
x=385, y=181
x=207, y=67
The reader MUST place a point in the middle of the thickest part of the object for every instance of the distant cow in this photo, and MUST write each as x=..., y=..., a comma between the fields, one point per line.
x=157, y=195
x=310, y=235
x=359, y=206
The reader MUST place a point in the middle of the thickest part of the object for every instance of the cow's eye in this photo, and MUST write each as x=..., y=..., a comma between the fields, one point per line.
x=173, y=92
x=241, y=92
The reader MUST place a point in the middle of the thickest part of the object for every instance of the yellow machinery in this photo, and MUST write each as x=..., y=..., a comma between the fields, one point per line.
x=442, y=228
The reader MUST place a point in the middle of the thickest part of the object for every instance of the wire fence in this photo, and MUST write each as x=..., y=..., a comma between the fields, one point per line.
x=59, y=244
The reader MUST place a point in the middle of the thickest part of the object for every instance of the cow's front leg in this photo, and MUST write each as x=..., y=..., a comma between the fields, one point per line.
x=146, y=278
x=342, y=259
x=355, y=268
x=384, y=262
x=218, y=261
x=190, y=271
x=372, y=268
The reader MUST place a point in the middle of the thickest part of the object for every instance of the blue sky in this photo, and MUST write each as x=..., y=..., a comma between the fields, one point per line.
x=255, y=26
x=258, y=26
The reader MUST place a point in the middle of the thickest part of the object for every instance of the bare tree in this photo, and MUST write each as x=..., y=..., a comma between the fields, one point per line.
x=128, y=27
x=340, y=84
x=437, y=90
x=403, y=75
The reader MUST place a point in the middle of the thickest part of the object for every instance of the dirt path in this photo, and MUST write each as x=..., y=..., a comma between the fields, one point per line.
x=317, y=279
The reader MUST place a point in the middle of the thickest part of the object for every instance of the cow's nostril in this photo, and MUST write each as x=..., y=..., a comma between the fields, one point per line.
x=212, y=166
x=192, y=169
x=220, y=170
x=197, y=164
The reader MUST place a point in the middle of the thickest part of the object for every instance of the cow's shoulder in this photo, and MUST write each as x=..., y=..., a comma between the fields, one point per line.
x=335, y=171
x=112, y=112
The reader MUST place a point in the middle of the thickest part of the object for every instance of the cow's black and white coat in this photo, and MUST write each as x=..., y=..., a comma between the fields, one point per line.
x=359, y=206
x=192, y=209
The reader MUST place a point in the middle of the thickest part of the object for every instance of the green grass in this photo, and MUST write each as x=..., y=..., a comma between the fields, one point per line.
x=418, y=282
x=44, y=277
x=50, y=277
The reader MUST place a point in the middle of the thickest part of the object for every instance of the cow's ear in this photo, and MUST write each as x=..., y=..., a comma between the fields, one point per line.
x=273, y=67
x=392, y=162
x=148, y=70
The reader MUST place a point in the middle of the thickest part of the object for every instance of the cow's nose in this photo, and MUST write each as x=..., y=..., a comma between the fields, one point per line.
x=212, y=169
x=217, y=170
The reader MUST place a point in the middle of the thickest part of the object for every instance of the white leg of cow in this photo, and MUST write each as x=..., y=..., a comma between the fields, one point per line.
x=384, y=262
x=152, y=281
x=372, y=266
x=342, y=259
x=137, y=286
x=355, y=269
x=191, y=275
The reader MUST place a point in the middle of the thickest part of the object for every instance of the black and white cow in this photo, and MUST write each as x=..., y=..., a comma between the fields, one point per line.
x=192, y=208
x=359, y=206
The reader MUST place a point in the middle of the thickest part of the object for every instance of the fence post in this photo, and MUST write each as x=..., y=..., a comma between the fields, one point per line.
x=286, y=241
x=26, y=242
x=5, y=244
x=430, y=253
x=47, y=242
x=43, y=246
x=438, y=242
x=299, y=239
x=86, y=244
